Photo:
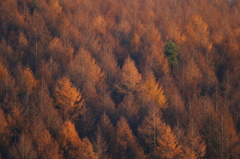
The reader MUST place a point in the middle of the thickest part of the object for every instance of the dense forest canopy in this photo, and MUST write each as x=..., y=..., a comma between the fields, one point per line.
x=119, y=79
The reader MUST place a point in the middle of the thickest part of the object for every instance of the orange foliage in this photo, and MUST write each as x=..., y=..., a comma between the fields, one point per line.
x=198, y=31
x=55, y=53
x=28, y=81
x=67, y=98
x=130, y=77
x=125, y=141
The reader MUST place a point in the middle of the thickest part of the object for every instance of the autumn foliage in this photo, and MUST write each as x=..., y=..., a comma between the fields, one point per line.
x=119, y=79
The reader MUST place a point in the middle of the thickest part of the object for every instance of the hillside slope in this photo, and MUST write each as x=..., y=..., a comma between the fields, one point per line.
x=119, y=79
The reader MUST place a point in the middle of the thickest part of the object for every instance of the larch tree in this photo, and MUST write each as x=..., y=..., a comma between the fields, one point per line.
x=28, y=81
x=15, y=117
x=127, y=86
x=106, y=59
x=87, y=150
x=27, y=84
x=6, y=82
x=157, y=138
x=72, y=145
x=70, y=35
x=198, y=32
x=45, y=145
x=153, y=55
x=193, y=145
x=86, y=121
x=24, y=148
x=135, y=43
x=152, y=92
x=99, y=24
x=62, y=53
x=130, y=77
x=129, y=109
x=46, y=108
x=107, y=130
x=221, y=138
x=55, y=6
x=151, y=96
x=190, y=76
x=126, y=145
x=85, y=73
x=22, y=44
x=100, y=145
x=69, y=140
x=112, y=51
x=4, y=131
x=68, y=99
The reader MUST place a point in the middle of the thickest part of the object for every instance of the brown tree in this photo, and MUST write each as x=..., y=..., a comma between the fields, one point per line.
x=85, y=73
x=107, y=130
x=128, y=81
x=152, y=92
x=23, y=148
x=100, y=145
x=192, y=143
x=130, y=77
x=221, y=137
x=72, y=145
x=198, y=31
x=126, y=143
x=4, y=130
x=62, y=53
x=157, y=137
x=45, y=145
x=67, y=99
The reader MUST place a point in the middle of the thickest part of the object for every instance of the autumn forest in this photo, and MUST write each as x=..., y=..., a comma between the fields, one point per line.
x=119, y=79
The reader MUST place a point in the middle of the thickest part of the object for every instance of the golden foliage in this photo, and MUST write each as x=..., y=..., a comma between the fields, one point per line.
x=70, y=142
x=15, y=118
x=99, y=24
x=193, y=143
x=198, y=31
x=29, y=83
x=167, y=144
x=42, y=139
x=106, y=128
x=192, y=72
x=84, y=69
x=189, y=154
x=3, y=124
x=55, y=5
x=126, y=141
x=153, y=92
x=68, y=98
x=22, y=39
x=128, y=108
x=158, y=137
x=135, y=42
x=79, y=40
x=23, y=148
x=3, y=76
x=87, y=150
x=68, y=136
x=124, y=26
x=130, y=77
x=174, y=33
x=61, y=52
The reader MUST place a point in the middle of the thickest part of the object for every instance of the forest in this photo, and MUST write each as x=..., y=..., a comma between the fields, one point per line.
x=119, y=79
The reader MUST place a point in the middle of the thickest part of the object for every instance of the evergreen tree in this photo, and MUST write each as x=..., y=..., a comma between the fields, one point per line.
x=172, y=54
